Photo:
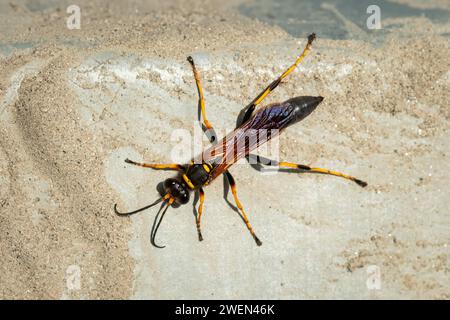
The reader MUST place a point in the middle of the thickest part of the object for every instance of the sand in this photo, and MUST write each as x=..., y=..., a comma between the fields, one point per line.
x=75, y=103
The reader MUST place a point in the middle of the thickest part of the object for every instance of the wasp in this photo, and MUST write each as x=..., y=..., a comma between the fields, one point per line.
x=221, y=155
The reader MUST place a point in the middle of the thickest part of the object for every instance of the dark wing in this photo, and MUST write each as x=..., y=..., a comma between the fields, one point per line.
x=264, y=124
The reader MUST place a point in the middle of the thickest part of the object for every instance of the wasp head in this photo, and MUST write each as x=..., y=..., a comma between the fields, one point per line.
x=177, y=190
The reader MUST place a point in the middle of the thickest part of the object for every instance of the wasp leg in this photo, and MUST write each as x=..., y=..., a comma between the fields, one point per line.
x=241, y=209
x=247, y=111
x=305, y=168
x=323, y=171
x=200, y=211
x=172, y=166
x=208, y=128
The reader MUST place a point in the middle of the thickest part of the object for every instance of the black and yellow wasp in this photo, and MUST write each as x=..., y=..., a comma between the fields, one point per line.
x=217, y=159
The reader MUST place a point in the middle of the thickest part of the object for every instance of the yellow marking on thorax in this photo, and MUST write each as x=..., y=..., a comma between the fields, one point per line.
x=188, y=181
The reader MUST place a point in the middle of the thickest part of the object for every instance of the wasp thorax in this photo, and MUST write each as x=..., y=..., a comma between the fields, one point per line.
x=177, y=190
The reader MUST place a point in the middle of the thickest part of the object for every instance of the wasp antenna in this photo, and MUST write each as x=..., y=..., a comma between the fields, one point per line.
x=138, y=210
x=166, y=204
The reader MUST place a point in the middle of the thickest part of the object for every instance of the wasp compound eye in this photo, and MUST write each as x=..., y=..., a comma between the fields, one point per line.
x=177, y=190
